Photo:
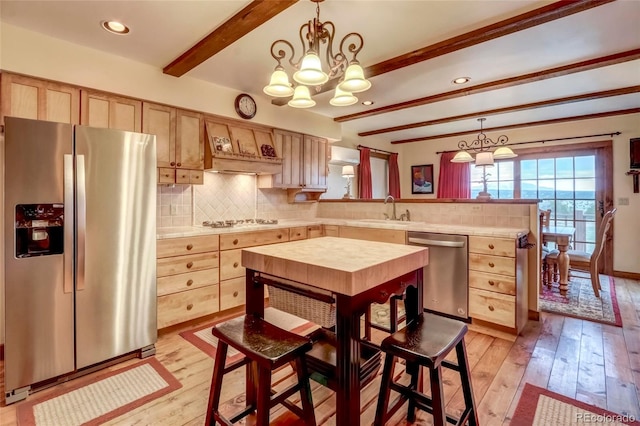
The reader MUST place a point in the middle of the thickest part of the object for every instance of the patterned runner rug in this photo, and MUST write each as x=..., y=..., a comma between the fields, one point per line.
x=541, y=407
x=202, y=338
x=581, y=302
x=95, y=400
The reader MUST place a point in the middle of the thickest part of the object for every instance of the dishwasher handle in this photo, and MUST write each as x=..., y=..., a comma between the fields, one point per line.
x=428, y=242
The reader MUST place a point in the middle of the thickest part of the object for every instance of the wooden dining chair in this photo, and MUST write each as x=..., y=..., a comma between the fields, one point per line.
x=588, y=262
x=545, y=271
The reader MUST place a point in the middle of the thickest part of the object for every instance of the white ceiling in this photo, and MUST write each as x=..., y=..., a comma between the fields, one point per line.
x=162, y=30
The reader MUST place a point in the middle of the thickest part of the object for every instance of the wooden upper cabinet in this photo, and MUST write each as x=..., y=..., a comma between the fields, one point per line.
x=315, y=162
x=110, y=111
x=36, y=99
x=289, y=145
x=160, y=120
x=189, y=140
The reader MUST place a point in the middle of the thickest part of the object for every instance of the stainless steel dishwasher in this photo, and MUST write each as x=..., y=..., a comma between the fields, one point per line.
x=446, y=278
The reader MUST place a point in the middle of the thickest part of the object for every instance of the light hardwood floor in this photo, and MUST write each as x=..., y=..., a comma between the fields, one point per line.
x=595, y=363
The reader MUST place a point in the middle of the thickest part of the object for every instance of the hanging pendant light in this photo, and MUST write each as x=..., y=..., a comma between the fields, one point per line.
x=354, y=80
x=279, y=85
x=301, y=98
x=310, y=72
x=504, y=152
x=462, y=157
x=342, y=98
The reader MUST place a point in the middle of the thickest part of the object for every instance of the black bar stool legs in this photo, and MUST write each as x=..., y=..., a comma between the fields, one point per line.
x=425, y=343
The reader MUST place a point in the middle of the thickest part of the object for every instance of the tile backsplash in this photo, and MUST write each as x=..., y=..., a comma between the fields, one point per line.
x=225, y=196
x=174, y=205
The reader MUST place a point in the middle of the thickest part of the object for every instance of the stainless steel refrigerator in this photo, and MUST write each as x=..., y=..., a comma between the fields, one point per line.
x=80, y=249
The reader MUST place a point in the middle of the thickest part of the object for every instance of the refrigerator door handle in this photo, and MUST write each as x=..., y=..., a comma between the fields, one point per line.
x=81, y=206
x=67, y=286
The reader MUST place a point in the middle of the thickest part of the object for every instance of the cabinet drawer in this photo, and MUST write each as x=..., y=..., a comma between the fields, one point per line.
x=187, y=305
x=298, y=233
x=196, y=177
x=314, y=231
x=232, y=293
x=188, y=281
x=187, y=245
x=231, y=264
x=494, y=246
x=166, y=175
x=183, y=176
x=331, y=230
x=493, y=307
x=258, y=238
x=492, y=282
x=191, y=263
x=492, y=264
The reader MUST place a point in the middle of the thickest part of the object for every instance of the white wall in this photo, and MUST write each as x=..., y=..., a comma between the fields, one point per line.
x=626, y=256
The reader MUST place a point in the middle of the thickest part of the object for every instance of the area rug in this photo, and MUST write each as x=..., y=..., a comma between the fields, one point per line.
x=202, y=338
x=581, y=302
x=541, y=407
x=95, y=400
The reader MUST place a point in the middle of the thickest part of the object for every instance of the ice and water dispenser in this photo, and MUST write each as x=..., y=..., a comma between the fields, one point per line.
x=39, y=229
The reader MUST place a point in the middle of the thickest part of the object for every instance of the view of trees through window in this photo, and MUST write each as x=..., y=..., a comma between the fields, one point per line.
x=566, y=185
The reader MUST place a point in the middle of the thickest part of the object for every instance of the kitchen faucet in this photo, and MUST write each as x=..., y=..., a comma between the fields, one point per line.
x=393, y=202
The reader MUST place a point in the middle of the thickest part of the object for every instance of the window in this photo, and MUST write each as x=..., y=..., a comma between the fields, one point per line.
x=567, y=179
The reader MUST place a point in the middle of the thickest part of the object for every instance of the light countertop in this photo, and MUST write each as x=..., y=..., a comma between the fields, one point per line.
x=484, y=231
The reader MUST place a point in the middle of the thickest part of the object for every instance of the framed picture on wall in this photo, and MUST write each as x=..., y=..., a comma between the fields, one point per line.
x=422, y=179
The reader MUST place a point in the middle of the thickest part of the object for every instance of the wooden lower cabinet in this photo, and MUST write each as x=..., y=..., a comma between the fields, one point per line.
x=188, y=276
x=232, y=293
x=498, y=283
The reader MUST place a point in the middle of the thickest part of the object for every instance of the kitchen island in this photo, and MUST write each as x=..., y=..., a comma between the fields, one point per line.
x=358, y=273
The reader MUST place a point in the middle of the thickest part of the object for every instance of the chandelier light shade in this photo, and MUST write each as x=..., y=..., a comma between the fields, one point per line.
x=339, y=62
x=301, y=98
x=342, y=98
x=482, y=145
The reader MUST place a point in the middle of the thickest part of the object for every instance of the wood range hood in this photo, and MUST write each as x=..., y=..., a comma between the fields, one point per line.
x=231, y=148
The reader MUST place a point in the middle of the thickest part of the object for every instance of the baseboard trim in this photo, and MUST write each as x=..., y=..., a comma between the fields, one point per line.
x=629, y=275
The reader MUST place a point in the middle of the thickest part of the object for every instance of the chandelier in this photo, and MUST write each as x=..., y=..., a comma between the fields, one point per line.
x=482, y=145
x=309, y=70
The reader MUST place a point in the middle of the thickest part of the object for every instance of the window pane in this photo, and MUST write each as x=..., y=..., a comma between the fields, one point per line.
x=546, y=168
x=547, y=189
x=564, y=167
x=505, y=189
x=564, y=212
x=590, y=232
x=587, y=209
x=586, y=166
x=529, y=189
x=505, y=170
x=529, y=169
x=586, y=188
x=547, y=205
x=564, y=188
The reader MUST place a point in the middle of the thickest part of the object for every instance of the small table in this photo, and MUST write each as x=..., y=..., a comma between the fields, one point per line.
x=358, y=273
x=561, y=235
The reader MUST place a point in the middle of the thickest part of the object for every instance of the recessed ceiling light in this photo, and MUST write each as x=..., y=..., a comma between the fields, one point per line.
x=115, y=27
x=367, y=103
x=461, y=80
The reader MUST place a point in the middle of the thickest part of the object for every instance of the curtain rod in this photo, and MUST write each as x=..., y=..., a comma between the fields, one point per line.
x=542, y=141
x=376, y=149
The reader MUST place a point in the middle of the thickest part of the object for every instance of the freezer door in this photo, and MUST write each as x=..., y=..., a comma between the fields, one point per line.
x=116, y=243
x=38, y=288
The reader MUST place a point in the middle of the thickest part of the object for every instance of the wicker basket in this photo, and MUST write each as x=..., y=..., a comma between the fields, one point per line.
x=316, y=311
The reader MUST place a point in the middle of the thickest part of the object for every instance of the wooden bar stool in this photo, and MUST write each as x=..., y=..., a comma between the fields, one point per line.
x=265, y=347
x=426, y=342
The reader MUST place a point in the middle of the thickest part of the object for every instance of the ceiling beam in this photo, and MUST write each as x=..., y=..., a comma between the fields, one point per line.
x=539, y=16
x=514, y=108
x=587, y=65
x=251, y=17
x=520, y=125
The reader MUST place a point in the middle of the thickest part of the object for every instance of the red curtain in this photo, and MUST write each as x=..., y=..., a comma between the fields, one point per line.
x=455, y=178
x=365, y=189
x=394, y=176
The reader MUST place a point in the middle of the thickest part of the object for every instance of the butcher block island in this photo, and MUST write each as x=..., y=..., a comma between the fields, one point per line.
x=358, y=273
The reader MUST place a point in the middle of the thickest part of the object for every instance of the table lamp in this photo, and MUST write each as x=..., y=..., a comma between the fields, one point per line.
x=347, y=172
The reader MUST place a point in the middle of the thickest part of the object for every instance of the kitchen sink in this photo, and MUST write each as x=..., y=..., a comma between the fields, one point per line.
x=390, y=223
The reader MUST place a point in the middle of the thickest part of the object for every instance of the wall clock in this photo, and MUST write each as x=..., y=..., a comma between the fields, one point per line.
x=245, y=106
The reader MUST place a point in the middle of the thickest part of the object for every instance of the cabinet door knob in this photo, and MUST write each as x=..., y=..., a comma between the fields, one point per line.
x=235, y=294
x=172, y=163
x=279, y=236
x=196, y=177
x=189, y=283
x=491, y=308
x=491, y=264
x=235, y=242
x=491, y=246
x=189, y=265
x=491, y=282
x=189, y=246
x=236, y=264
x=298, y=234
x=189, y=306
x=179, y=164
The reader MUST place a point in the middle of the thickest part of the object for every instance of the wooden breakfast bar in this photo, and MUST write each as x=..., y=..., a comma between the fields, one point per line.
x=358, y=273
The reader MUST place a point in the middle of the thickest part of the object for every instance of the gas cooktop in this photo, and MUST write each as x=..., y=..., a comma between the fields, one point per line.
x=238, y=223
